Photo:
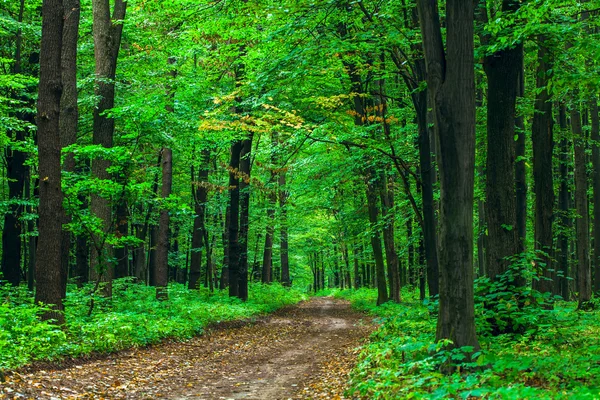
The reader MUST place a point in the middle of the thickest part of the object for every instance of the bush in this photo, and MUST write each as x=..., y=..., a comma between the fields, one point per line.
x=133, y=318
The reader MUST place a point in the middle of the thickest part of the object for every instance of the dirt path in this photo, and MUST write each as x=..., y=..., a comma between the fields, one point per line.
x=304, y=352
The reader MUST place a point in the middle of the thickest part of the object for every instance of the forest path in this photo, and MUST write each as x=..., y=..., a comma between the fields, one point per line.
x=301, y=352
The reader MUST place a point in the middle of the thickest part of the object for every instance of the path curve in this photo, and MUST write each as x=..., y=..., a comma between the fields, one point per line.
x=302, y=352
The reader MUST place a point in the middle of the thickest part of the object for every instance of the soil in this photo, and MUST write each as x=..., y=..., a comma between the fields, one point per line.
x=301, y=352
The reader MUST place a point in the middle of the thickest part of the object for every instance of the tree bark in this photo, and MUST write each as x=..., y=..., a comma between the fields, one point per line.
x=283, y=245
x=451, y=80
x=595, y=136
x=564, y=199
x=233, y=223
x=543, y=186
x=503, y=70
x=107, y=32
x=48, y=258
x=245, y=167
x=382, y=295
x=198, y=234
x=387, y=207
x=584, y=277
x=161, y=276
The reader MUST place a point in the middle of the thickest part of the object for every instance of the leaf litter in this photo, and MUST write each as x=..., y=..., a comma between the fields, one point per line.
x=300, y=352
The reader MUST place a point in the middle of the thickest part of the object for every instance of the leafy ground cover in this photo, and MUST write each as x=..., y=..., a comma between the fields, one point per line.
x=557, y=357
x=134, y=318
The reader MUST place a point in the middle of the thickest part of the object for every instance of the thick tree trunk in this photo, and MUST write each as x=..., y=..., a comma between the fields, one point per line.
x=595, y=136
x=503, y=70
x=564, y=200
x=69, y=112
x=451, y=80
x=48, y=258
x=543, y=186
x=107, y=40
x=245, y=166
x=233, y=223
x=199, y=229
x=382, y=295
x=161, y=275
x=584, y=277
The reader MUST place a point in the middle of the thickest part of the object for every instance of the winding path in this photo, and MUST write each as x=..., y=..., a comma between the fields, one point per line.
x=302, y=352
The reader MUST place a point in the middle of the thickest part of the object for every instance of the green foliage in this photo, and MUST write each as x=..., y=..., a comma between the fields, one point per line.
x=560, y=360
x=135, y=318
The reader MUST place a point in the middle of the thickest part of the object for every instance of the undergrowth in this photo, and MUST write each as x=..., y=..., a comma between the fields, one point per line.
x=133, y=318
x=557, y=356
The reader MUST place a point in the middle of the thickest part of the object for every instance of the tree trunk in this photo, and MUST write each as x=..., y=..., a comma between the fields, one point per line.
x=387, y=207
x=543, y=186
x=161, y=276
x=451, y=80
x=233, y=224
x=267, y=264
x=595, y=136
x=382, y=295
x=198, y=234
x=48, y=258
x=245, y=166
x=564, y=200
x=283, y=245
x=503, y=70
x=584, y=277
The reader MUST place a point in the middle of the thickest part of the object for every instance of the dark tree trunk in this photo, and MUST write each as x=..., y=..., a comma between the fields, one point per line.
x=543, y=186
x=451, y=82
x=224, y=282
x=283, y=245
x=382, y=295
x=233, y=223
x=267, y=264
x=107, y=40
x=503, y=70
x=48, y=258
x=245, y=166
x=199, y=229
x=520, y=169
x=564, y=200
x=152, y=261
x=595, y=136
x=69, y=112
x=161, y=275
x=584, y=277
x=387, y=207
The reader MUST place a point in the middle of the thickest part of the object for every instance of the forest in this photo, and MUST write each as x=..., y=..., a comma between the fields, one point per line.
x=311, y=199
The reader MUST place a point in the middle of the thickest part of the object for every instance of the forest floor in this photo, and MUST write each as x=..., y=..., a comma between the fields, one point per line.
x=300, y=352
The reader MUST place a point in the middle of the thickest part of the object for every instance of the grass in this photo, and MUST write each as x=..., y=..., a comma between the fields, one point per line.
x=134, y=318
x=557, y=358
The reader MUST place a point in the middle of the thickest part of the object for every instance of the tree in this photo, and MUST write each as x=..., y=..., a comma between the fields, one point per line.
x=451, y=82
x=48, y=266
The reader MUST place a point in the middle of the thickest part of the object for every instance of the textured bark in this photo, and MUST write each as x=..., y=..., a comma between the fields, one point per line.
x=503, y=70
x=161, y=275
x=543, y=186
x=233, y=223
x=564, y=200
x=199, y=229
x=48, y=258
x=283, y=245
x=245, y=166
x=107, y=32
x=387, y=206
x=372, y=192
x=451, y=80
x=69, y=112
x=584, y=277
x=595, y=136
